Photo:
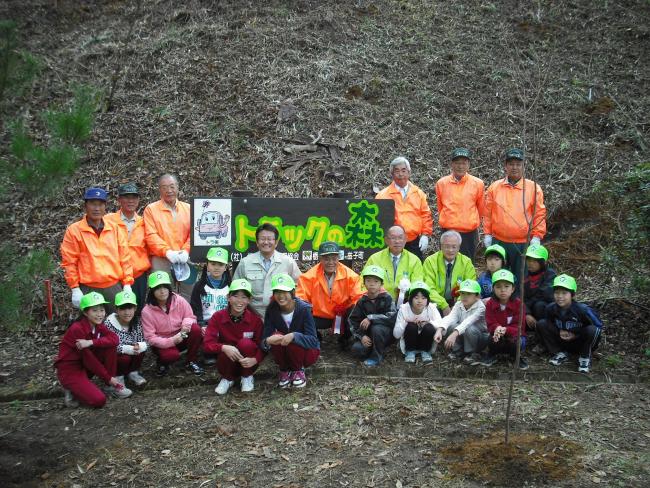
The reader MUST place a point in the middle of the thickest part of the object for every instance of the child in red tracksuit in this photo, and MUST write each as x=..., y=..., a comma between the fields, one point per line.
x=88, y=348
x=502, y=313
x=234, y=334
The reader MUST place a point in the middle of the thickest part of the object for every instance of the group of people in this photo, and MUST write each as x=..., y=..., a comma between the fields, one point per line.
x=127, y=276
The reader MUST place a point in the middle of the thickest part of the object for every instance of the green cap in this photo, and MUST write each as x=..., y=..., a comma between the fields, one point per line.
x=496, y=249
x=127, y=189
x=375, y=271
x=537, y=252
x=470, y=286
x=460, y=152
x=158, y=278
x=565, y=281
x=241, y=284
x=328, y=247
x=503, y=275
x=125, y=298
x=514, y=153
x=91, y=299
x=217, y=254
x=419, y=286
x=282, y=282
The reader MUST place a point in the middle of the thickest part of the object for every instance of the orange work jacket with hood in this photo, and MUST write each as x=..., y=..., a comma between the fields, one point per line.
x=137, y=245
x=166, y=230
x=504, y=211
x=412, y=213
x=95, y=261
x=312, y=288
x=460, y=202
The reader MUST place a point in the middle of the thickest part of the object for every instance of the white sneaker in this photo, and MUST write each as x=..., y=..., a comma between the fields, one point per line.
x=247, y=384
x=120, y=391
x=120, y=379
x=69, y=399
x=223, y=386
x=137, y=378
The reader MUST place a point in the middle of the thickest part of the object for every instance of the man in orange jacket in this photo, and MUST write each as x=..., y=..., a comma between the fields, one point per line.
x=508, y=218
x=412, y=211
x=95, y=254
x=132, y=226
x=332, y=289
x=460, y=198
x=167, y=230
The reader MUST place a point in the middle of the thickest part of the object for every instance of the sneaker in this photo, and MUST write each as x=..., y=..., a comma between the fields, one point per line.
x=371, y=363
x=409, y=357
x=487, y=360
x=223, y=386
x=523, y=364
x=426, y=357
x=472, y=359
x=284, y=379
x=298, y=379
x=247, y=384
x=454, y=356
x=69, y=400
x=195, y=368
x=137, y=378
x=559, y=358
x=163, y=370
x=120, y=379
x=584, y=364
x=118, y=391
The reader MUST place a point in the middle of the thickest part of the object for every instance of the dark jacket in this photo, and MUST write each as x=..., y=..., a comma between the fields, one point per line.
x=578, y=315
x=538, y=287
x=199, y=294
x=302, y=325
x=380, y=311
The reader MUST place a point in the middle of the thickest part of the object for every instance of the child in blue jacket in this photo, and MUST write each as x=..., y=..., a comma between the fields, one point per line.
x=495, y=259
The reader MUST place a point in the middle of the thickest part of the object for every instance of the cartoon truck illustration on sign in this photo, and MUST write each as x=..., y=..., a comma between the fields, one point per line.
x=212, y=224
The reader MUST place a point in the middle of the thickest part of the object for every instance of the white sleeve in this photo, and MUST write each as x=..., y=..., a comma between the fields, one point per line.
x=400, y=324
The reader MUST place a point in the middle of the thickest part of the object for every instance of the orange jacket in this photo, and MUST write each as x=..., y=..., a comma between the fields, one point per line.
x=312, y=288
x=460, y=203
x=412, y=213
x=164, y=233
x=97, y=262
x=504, y=215
x=137, y=245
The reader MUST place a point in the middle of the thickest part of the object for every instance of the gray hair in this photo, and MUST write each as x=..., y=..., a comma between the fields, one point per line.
x=451, y=233
x=168, y=175
x=400, y=160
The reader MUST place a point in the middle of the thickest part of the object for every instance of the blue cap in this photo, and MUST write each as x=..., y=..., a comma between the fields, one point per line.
x=95, y=193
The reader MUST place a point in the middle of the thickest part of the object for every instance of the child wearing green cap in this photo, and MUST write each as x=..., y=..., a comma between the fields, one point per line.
x=538, y=291
x=569, y=326
x=464, y=328
x=372, y=318
x=495, y=259
x=502, y=318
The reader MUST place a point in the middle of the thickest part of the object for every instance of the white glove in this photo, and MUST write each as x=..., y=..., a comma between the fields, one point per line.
x=424, y=243
x=127, y=289
x=128, y=349
x=183, y=257
x=77, y=294
x=143, y=347
x=535, y=241
x=487, y=240
x=172, y=256
x=404, y=285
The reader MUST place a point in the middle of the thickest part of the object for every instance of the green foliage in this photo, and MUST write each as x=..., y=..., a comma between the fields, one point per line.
x=17, y=67
x=20, y=289
x=613, y=360
x=74, y=124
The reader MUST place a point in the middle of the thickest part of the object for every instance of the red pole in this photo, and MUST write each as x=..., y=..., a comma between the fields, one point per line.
x=48, y=298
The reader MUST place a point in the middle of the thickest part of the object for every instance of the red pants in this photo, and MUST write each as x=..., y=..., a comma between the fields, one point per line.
x=294, y=357
x=74, y=377
x=232, y=370
x=127, y=363
x=192, y=343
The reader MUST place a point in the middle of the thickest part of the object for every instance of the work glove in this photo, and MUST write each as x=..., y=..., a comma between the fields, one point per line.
x=424, y=243
x=535, y=241
x=487, y=240
x=404, y=285
x=183, y=257
x=172, y=256
x=143, y=347
x=77, y=294
x=127, y=289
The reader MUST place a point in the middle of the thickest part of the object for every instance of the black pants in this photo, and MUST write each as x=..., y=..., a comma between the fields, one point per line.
x=322, y=323
x=469, y=243
x=381, y=337
x=587, y=339
x=418, y=340
x=414, y=247
x=506, y=345
x=515, y=253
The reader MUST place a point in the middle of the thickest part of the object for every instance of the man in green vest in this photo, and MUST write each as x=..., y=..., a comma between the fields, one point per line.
x=446, y=269
x=402, y=267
